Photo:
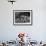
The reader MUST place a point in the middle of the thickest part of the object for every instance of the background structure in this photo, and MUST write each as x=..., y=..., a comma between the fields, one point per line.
x=37, y=30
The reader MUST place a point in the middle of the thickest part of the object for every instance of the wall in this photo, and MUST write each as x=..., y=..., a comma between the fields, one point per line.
x=38, y=30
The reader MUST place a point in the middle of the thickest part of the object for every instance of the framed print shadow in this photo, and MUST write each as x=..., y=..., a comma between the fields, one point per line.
x=22, y=17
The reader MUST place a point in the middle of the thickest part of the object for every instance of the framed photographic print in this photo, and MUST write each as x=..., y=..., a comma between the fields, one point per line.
x=22, y=17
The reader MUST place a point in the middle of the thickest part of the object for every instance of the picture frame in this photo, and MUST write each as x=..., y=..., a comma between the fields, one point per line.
x=22, y=17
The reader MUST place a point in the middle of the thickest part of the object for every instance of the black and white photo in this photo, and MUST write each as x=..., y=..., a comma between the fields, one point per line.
x=22, y=16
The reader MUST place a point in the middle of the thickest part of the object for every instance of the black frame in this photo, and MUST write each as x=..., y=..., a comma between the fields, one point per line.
x=23, y=11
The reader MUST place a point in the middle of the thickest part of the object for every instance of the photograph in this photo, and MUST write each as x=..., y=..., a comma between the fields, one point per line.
x=22, y=17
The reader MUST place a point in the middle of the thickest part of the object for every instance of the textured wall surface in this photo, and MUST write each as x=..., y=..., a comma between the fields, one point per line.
x=37, y=30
